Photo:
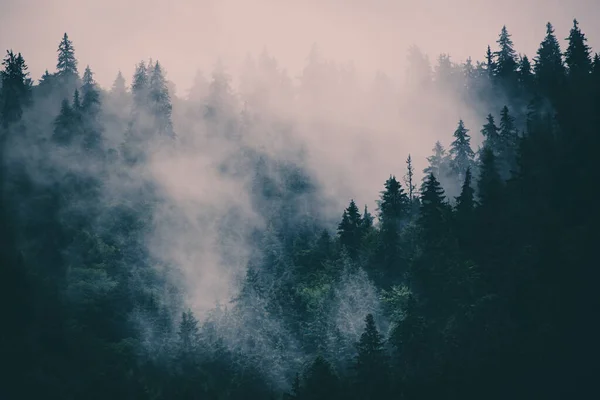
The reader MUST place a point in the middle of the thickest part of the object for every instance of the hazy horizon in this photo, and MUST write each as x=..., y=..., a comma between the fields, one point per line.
x=190, y=35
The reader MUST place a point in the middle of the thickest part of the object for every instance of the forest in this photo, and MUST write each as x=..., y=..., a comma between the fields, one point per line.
x=118, y=280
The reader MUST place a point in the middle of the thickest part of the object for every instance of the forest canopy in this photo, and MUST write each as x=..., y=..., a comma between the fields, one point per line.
x=159, y=247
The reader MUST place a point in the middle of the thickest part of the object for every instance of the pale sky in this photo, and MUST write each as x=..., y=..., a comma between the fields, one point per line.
x=186, y=34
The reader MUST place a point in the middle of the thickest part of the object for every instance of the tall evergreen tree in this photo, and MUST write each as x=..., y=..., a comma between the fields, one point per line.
x=89, y=91
x=490, y=183
x=509, y=142
x=506, y=56
x=465, y=203
x=490, y=63
x=140, y=86
x=434, y=209
x=460, y=151
x=549, y=68
x=491, y=134
x=577, y=55
x=15, y=88
x=160, y=101
x=409, y=178
x=350, y=229
x=525, y=75
x=371, y=364
x=66, y=65
x=439, y=162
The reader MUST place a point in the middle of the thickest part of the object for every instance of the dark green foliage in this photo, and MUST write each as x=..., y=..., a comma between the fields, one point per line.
x=15, y=88
x=577, y=55
x=350, y=229
x=460, y=151
x=371, y=364
x=506, y=57
x=491, y=298
x=66, y=65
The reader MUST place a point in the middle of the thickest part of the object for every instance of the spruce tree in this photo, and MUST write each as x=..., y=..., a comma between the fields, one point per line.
x=549, y=68
x=63, y=124
x=15, y=88
x=490, y=63
x=160, y=101
x=189, y=333
x=140, y=86
x=409, y=179
x=577, y=55
x=118, y=87
x=66, y=65
x=460, y=151
x=371, y=363
x=320, y=381
x=434, y=209
x=350, y=229
x=490, y=184
x=525, y=75
x=465, y=203
x=439, y=162
x=90, y=93
x=509, y=141
x=491, y=134
x=393, y=204
x=506, y=56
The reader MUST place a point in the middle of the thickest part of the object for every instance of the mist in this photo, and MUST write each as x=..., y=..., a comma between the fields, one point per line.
x=201, y=185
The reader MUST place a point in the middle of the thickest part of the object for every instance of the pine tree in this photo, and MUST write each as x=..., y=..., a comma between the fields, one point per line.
x=189, y=334
x=371, y=363
x=15, y=88
x=465, y=203
x=433, y=209
x=439, y=162
x=549, y=68
x=160, y=101
x=460, y=151
x=525, y=75
x=367, y=220
x=350, y=229
x=506, y=57
x=490, y=183
x=320, y=381
x=409, y=178
x=140, y=86
x=490, y=62
x=508, y=144
x=67, y=63
x=118, y=87
x=63, y=124
x=393, y=205
x=89, y=90
x=491, y=134
x=577, y=55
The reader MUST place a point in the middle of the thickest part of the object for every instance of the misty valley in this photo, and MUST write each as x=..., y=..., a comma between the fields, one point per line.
x=214, y=245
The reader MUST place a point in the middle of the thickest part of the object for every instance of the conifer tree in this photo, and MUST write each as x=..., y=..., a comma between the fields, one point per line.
x=439, y=162
x=577, y=55
x=160, y=101
x=320, y=381
x=63, y=124
x=409, y=179
x=367, y=220
x=506, y=56
x=118, y=87
x=350, y=229
x=90, y=93
x=549, y=68
x=509, y=142
x=491, y=134
x=490, y=183
x=66, y=65
x=433, y=208
x=393, y=203
x=490, y=63
x=371, y=363
x=465, y=203
x=189, y=334
x=140, y=86
x=15, y=88
x=460, y=151
x=525, y=75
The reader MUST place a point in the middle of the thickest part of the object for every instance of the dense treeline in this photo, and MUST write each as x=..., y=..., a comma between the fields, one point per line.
x=477, y=284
